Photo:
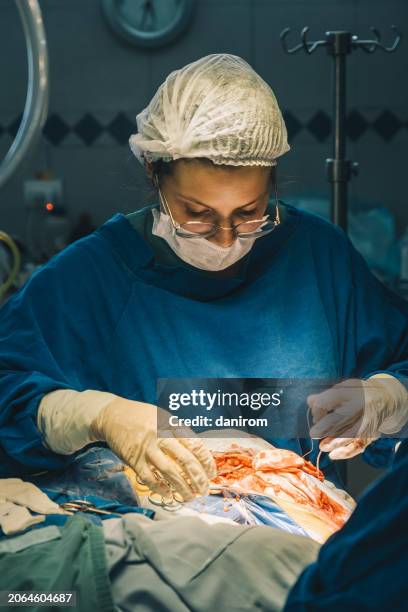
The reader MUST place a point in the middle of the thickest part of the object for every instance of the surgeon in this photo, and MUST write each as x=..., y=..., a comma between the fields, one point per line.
x=219, y=278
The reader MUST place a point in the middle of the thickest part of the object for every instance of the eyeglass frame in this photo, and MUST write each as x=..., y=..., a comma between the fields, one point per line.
x=275, y=223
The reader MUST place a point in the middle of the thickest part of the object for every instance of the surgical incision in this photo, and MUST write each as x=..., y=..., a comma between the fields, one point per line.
x=292, y=482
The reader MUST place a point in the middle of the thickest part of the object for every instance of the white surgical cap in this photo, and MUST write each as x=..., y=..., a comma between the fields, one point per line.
x=217, y=107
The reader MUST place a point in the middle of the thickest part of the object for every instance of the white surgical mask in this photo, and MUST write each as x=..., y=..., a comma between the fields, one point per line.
x=198, y=251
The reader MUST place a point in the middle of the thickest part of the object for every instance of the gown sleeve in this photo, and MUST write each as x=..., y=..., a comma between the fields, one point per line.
x=53, y=335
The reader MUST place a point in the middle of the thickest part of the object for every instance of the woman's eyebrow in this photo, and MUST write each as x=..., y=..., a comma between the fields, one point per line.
x=194, y=201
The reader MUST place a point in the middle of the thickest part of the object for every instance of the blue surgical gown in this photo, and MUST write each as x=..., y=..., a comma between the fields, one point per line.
x=364, y=566
x=106, y=314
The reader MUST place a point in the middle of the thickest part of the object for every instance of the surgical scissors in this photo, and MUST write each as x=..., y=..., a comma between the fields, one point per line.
x=81, y=505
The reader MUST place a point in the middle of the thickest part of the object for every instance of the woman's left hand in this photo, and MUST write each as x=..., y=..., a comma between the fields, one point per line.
x=354, y=413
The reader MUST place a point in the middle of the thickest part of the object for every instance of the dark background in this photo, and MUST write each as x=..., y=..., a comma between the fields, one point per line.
x=98, y=85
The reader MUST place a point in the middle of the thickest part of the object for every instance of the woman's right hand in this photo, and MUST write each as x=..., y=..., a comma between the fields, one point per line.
x=179, y=463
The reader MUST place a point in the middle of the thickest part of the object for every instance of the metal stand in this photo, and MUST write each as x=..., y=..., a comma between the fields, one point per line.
x=339, y=45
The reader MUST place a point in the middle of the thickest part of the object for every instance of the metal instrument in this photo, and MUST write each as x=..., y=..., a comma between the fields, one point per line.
x=36, y=106
x=172, y=504
x=81, y=505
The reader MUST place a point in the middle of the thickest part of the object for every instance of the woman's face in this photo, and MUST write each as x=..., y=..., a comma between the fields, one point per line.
x=225, y=196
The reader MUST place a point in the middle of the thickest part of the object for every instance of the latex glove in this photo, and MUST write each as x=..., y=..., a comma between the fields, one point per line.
x=64, y=417
x=130, y=430
x=28, y=495
x=354, y=413
x=15, y=518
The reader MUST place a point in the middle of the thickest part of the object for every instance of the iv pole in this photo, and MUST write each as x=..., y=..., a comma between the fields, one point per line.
x=339, y=45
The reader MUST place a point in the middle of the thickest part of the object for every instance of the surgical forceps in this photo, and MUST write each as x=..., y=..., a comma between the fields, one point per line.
x=171, y=504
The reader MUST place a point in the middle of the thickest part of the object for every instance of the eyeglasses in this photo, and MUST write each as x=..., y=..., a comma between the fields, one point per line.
x=247, y=229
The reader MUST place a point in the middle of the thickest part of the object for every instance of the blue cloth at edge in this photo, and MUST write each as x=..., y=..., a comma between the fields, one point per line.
x=364, y=566
x=95, y=476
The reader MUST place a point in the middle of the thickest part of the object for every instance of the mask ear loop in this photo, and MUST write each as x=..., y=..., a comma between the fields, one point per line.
x=312, y=440
x=277, y=213
x=155, y=180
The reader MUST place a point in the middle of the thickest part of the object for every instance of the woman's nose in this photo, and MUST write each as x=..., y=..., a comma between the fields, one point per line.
x=223, y=238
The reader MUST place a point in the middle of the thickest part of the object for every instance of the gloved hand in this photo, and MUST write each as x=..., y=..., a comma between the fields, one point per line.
x=130, y=430
x=354, y=413
x=69, y=420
